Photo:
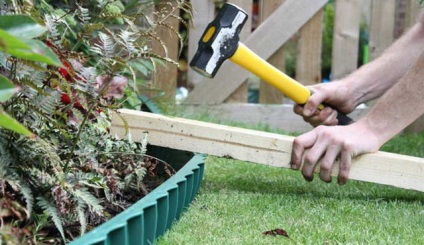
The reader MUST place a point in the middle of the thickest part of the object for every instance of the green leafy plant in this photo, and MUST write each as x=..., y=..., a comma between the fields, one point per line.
x=14, y=42
x=65, y=67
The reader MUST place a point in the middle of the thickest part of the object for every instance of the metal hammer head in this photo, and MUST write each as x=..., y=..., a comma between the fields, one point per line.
x=219, y=41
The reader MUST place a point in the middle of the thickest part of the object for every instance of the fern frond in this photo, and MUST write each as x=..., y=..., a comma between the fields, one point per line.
x=31, y=83
x=92, y=202
x=106, y=46
x=52, y=211
x=140, y=172
x=144, y=143
x=41, y=177
x=47, y=104
x=29, y=198
x=81, y=215
x=37, y=118
x=52, y=25
x=47, y=156
x=102, y=3
x=83, y=14
x=10, y=176
x=128, y=179
x=88, y=83
x=127, y=39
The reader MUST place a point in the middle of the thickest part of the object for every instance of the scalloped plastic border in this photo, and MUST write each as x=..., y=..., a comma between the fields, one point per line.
x=154, y=214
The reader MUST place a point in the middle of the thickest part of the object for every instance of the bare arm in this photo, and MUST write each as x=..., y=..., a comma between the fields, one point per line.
x=368, y=82
x=399, y=107
x=372, y=80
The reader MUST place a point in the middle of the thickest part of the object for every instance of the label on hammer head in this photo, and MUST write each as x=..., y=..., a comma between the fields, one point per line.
x=221, y=41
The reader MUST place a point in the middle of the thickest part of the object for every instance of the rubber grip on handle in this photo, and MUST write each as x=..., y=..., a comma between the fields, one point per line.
x=342, y=118
x=297, y=92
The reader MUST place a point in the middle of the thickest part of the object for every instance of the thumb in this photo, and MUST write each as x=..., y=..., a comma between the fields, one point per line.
x=313, y=102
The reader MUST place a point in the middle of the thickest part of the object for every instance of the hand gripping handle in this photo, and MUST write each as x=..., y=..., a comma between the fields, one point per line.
x=342, y=118
x=297, y=92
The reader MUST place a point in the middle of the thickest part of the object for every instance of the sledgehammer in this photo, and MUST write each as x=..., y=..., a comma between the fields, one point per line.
x=220, y=41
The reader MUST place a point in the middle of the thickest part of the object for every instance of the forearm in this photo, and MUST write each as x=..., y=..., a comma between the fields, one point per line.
x=400, y=106
x=372, y=80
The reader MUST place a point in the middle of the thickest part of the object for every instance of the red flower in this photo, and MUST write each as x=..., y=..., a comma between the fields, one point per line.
x=66, y=71
x=64, y=98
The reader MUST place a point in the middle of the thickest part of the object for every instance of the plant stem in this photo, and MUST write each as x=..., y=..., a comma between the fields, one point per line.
x=90, y=109
x=74, y=144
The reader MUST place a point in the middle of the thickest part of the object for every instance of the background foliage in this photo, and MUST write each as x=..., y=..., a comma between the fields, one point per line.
x=65, y=66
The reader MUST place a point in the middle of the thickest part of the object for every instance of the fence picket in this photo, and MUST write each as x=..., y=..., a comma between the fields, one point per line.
x=308, y=67
x=267, y=93
x=345, y=37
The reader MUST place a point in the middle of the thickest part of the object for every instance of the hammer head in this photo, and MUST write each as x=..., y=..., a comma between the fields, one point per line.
x=219, y=41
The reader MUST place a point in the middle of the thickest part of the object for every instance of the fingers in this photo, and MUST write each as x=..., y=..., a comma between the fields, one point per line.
x=323, y=150
x=326, y=163
x=312, y=158
x=313, y=102
x=327, y=116
x=345, y=163
x=301, y=143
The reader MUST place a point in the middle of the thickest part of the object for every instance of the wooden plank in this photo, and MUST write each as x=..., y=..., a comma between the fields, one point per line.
x=203, y=13
x=275, y=116
x=345, y=38
x=261, y=147
x=165, y=76
x=308, y=63
x=264, y=41
x=240, y=94
x=381, y=33
x=267, y=93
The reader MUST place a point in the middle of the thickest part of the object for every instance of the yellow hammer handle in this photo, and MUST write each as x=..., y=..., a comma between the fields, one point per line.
x=247, y=59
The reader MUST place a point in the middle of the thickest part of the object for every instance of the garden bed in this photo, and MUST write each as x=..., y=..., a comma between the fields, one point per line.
x=152, y=215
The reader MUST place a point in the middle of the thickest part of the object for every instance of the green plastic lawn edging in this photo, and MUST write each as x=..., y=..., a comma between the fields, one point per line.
x=155, y=213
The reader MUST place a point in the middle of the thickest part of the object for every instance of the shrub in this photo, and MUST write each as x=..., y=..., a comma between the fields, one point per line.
x=71, y=174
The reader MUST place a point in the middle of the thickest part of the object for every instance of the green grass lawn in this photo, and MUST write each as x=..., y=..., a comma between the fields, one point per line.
x=238, y=201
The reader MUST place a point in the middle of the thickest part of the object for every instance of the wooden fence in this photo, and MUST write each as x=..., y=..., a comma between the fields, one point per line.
x=272, y=24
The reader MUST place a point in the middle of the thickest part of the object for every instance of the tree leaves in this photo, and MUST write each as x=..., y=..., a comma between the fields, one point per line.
x=21, y=26
x=16, y=38
x=8, y=41
x=16, y=33
x=9, y=123
x=38, y=52
x=7, y=90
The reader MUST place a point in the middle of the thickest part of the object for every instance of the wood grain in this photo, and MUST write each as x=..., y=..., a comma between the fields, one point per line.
x=260, y=147
x=267, y=93
x=308, y=62
x=345, y=37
